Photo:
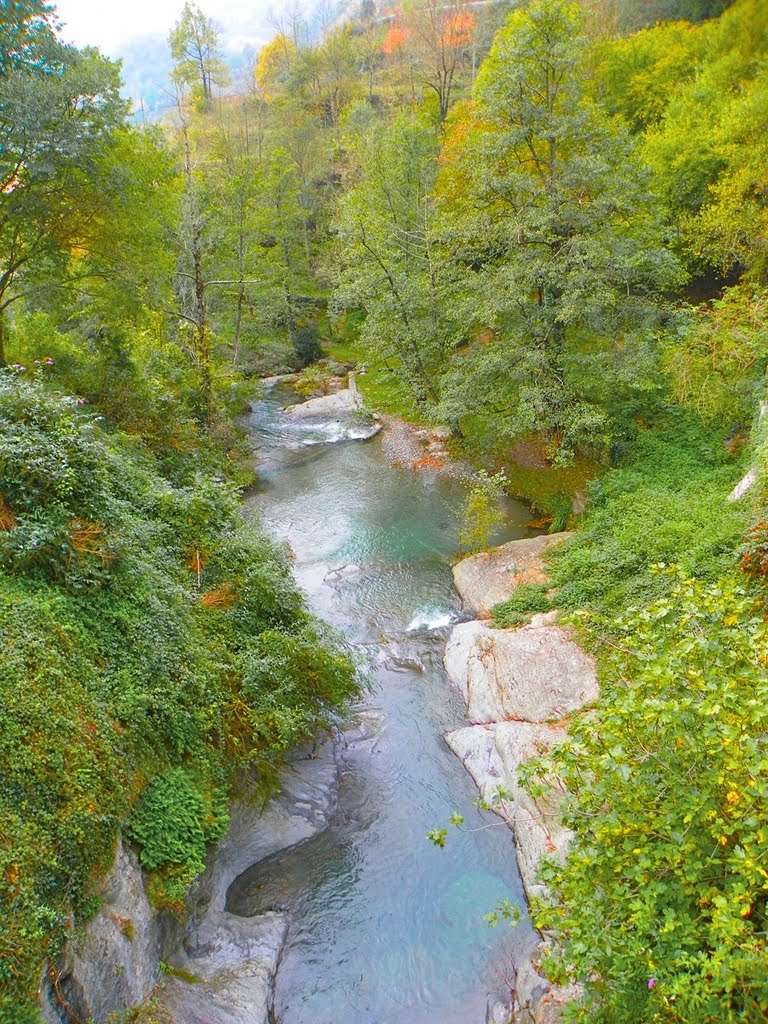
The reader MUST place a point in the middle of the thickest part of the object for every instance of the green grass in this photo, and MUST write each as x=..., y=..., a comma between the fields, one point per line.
x=666, y=504
x=380, y=387
x=527, y=600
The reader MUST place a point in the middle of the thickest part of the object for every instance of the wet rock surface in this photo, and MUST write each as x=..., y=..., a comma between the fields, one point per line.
x=222, y=965
x=520, y=685
x=340, y=403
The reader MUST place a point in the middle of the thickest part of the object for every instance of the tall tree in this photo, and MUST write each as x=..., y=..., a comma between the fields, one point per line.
x=436, y=39
x=59, y=108
x=390, y=257
x=556, y=236
x=196, y=54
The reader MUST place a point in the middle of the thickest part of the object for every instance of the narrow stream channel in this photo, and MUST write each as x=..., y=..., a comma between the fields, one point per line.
x=385, y=928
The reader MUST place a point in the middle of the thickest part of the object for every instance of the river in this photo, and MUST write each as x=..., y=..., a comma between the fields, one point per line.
x=385, y=927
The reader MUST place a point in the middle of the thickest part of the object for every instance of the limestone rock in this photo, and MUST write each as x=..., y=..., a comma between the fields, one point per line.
x=492, y=754
x=114, y=964
x=744, y=485
x=491, y=577
x=537, y=825
x=341, y=403
x=231, y=980
x=535, y=673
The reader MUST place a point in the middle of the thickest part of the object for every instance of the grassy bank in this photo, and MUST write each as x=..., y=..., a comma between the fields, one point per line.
x=155, y=646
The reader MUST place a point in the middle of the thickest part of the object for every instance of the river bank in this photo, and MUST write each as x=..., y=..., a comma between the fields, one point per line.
x=360, y=918
x=520, y=687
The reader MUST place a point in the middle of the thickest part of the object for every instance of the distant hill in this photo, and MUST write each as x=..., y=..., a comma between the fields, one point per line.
x=147, y=62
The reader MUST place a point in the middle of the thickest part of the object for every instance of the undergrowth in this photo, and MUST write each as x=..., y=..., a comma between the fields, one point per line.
x=155, y=646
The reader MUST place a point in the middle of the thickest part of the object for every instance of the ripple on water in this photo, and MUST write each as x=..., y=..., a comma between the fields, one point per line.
x=385, y=928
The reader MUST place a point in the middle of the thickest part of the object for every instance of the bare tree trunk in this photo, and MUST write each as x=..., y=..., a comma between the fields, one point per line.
x=200, y=319
x=3, y=331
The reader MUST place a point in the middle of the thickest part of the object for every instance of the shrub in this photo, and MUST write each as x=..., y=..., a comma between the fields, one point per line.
x=116, y=676
x=482, y=512
x=174, y=821
x=660, y=905
x=528, y=599
x=666, y=503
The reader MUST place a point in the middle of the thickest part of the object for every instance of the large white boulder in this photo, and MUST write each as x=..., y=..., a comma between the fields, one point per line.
x=487, y=579
x=536, y=672
x=342, y=403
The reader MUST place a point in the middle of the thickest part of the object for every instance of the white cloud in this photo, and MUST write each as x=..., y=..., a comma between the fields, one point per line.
x=109, y=24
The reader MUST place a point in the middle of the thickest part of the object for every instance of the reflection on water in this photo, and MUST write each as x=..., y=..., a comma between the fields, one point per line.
x=385, y=928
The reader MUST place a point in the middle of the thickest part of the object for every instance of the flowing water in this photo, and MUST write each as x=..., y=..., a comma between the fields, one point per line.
x=385, y=928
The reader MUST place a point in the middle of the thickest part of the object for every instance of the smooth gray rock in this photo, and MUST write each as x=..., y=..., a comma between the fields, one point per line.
x=493, y=755
x=535, y=672
x=487, y=579
x=234, y=957
x=744, y=485
x=115, y=964
x=342, y=403
x=302, y=808
x=234, y=978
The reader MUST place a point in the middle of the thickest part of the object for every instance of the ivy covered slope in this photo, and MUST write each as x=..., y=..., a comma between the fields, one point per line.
x=154, y=646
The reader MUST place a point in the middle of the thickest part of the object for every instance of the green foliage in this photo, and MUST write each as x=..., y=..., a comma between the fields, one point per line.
x=709, y=141
x=717, y=359
x=504, y=911
x=482, y=512
x=557, y=244
x=661, y=904
x=388, y=254
x=527, y=599
x=665, y=503
x=60, y=107
x=173, y=822
x=150, y=637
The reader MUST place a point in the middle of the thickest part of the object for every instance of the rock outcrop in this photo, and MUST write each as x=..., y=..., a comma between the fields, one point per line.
x=487, y=579
x=339, y=416
x=327, y=407
x=114, y=964
x=520, y=685
x=234, y=982
x=535, y=673
x=492, y=755
x=222, y=966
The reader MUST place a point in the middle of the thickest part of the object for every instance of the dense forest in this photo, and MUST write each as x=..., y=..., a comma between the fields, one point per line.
x=541, y=225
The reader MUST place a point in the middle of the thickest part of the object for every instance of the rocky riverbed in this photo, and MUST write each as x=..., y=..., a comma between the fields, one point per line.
x=210, y=966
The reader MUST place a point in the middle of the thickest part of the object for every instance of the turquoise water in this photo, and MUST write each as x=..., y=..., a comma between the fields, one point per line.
x=385, y=928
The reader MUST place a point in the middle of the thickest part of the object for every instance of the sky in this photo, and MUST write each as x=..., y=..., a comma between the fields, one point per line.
x=109, y=24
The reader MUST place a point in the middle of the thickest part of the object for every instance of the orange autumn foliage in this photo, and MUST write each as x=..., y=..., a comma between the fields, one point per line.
x=224, y=597
x=395, y=39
